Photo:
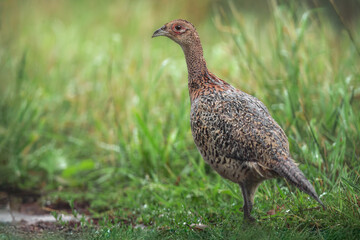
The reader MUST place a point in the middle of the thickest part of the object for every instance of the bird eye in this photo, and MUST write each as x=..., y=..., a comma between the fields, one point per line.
x=178, y=27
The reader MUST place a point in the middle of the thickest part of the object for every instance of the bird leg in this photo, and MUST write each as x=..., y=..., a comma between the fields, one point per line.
x=248, y=190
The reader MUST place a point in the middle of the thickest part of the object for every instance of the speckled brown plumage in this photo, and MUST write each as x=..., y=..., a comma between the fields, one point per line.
x=233, y=130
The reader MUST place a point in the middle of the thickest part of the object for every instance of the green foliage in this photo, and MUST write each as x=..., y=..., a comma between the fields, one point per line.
x=92, y=109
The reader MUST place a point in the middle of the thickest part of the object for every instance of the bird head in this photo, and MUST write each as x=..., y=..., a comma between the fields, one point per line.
x=180, y=31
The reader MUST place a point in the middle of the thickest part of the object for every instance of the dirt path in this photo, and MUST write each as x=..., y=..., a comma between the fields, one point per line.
x=22, y=216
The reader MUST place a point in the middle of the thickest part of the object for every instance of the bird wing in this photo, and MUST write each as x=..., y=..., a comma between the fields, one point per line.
x=240, y=127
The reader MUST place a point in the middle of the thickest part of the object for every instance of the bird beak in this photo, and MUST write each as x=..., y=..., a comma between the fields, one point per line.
x=160, y=32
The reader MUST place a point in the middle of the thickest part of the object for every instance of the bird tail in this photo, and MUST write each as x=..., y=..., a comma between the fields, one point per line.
x=288, y=169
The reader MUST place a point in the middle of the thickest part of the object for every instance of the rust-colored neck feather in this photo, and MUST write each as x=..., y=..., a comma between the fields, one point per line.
x=195, y=61
x=199, y=78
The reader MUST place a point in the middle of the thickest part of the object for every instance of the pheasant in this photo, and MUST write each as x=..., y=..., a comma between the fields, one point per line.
x=233, y=131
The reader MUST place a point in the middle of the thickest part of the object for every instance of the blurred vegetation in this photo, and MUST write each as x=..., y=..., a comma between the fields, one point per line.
x=92, y=109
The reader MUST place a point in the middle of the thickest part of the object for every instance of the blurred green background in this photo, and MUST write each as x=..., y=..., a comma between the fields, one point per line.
x=92, y=109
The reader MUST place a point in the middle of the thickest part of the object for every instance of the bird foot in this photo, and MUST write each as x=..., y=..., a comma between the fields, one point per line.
x=249, y=219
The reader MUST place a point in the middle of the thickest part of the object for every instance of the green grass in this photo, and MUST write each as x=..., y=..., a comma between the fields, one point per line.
x=92, y=109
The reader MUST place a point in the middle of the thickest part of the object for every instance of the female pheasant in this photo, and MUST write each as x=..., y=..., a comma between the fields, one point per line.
x=233, y=130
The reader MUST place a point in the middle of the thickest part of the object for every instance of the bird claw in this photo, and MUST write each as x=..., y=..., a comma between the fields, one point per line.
x=249, y=219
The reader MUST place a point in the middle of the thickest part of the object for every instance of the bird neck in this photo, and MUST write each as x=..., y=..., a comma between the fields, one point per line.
x=196, y=65
x=199, y=77
x=195, y=61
